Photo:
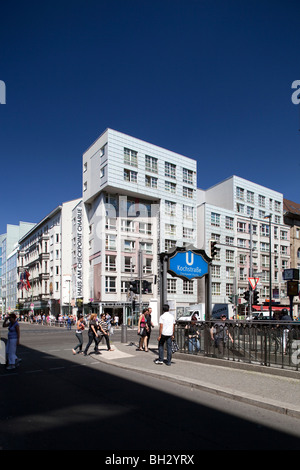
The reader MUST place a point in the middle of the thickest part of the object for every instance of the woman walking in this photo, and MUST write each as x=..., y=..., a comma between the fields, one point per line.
x=13, y=340
x=92, y=333
x=80, y=326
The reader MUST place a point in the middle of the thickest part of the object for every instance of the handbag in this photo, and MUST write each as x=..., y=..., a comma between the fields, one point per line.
x=141, y=333
x=174, y=346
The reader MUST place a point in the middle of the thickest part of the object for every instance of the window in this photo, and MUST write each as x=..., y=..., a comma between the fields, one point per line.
x=110, y=284
x=264, y=230
x=250, y=197
x=111, y=242
x=240, y=193
x=151, y=164
x=240, y=208
x=261, y=201
x=170, y=229
x=188, y=232
x=145, y=228
x=129, y=245
x=216, y=271
x=187, y=176
x=127, y=225
x=130, y=176
x=150, y=181
x=188, y=287
x=216, y=288
x=188, y=212
x=170, y=170
x=277, y=206
x=170, y=187
x=215, y=219
x=170, y=208
x=110, y=263
x=229, y=222
x=130, y=157
x=128, y=264
x=146, y=247
x=171, y=286
x=241, y=227
x=169, y=244
x=188, y=192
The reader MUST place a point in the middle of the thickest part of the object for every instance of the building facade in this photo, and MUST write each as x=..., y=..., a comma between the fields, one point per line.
x=44, y=264
x=138, y=200
x=228, y=211
x=8, y=264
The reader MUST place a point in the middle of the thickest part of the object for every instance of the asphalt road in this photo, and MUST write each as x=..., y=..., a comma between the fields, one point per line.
x=57, y=401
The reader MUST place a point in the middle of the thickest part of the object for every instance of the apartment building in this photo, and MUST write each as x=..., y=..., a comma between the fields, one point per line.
x=8, y=263
x=292, y=219
x=45, y=263
x=226, y=213
x=138, y=200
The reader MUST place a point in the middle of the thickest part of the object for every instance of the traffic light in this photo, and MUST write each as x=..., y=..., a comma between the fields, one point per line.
x=134, y=287
x=231, y=299
x=213, y=249
x=247, y=295
x=146, y=287
x=255, y=297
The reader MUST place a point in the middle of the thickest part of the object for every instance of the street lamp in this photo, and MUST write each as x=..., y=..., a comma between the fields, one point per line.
x=270, y=267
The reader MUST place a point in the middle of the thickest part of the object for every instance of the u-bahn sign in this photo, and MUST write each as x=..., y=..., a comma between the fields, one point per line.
x=188, y=264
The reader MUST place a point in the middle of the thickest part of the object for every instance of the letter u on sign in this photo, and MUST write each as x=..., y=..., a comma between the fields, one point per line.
x=191, y=261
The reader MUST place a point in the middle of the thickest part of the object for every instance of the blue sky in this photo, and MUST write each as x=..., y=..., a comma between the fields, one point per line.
x=208, y=79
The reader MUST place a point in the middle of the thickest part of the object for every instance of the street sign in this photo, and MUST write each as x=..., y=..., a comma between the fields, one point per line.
x=188, y=265
x=253, y=281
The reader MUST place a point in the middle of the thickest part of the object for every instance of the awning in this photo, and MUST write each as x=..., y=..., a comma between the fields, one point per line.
x=275, y=308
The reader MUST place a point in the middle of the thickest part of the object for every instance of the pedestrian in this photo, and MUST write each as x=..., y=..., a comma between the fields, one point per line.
x=80, y=326
x=108, y=321
x=219, y=334
x=103, y=327
x=142, y=331
x=92, y=334
x=13, y=340
x=193, y=336
x=149, y=324
x=166, y=334
x=69, y=322
x=286, y=329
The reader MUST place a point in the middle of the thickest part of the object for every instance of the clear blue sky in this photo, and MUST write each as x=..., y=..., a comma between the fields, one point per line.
x=209, y=79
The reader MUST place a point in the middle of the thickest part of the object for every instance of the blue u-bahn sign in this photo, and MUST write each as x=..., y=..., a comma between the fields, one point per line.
x=188, y=264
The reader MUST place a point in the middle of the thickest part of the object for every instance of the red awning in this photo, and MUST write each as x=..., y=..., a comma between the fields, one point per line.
x=266, y=307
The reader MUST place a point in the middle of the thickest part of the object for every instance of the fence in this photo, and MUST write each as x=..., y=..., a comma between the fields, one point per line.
x=266, y=343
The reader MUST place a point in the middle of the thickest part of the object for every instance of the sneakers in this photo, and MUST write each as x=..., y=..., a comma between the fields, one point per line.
x=158, y=361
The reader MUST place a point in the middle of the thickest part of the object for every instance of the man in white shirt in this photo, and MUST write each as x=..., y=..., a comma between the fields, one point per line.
x=166, y=333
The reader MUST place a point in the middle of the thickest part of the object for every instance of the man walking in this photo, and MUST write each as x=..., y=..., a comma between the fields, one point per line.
x=166, y=333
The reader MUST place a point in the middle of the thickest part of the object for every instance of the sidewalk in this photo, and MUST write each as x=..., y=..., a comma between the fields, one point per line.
x=276, y=390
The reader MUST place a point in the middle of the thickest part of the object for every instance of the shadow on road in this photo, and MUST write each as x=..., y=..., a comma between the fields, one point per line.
x=59, y=404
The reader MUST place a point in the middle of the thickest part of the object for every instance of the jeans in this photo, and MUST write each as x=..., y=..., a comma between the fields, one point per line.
x=80, y=341
x=107, y=341
x=92, y=338
x=162, y=341
x=194, y=344
x=11, y=349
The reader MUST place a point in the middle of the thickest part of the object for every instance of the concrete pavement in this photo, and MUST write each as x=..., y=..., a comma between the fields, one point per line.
x=273, y=389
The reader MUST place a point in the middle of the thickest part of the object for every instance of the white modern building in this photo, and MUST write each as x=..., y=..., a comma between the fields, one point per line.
x=45, y=261
x=138, y=200
x=226, y=213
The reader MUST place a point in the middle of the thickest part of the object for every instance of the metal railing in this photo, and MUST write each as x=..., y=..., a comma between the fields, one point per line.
x=265, y=343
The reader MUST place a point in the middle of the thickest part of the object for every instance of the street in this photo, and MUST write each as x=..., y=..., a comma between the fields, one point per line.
x=59, y=401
